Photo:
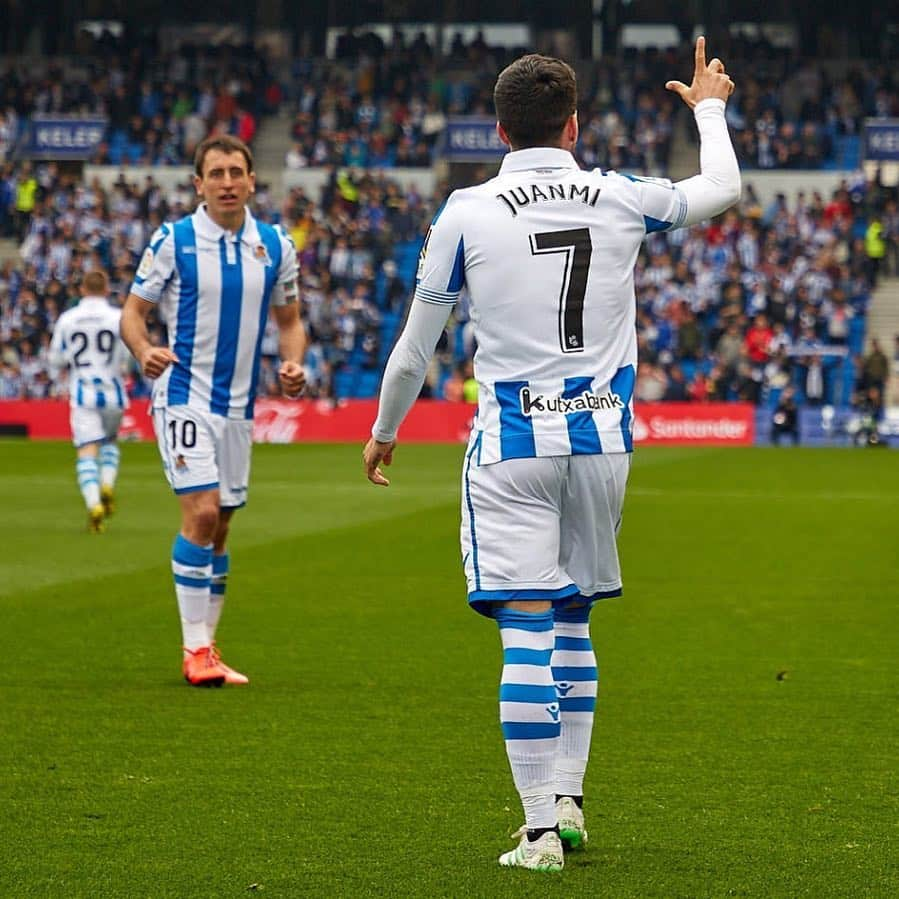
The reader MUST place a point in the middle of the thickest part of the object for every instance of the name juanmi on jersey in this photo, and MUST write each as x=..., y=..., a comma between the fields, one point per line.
x=518, y=197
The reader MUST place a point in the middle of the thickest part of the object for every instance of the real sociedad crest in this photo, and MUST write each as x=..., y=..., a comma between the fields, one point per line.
x=261, y=253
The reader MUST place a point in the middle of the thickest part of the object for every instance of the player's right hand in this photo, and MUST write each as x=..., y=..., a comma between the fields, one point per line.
x=373, y=455
x=709, y=81
x=155, y=360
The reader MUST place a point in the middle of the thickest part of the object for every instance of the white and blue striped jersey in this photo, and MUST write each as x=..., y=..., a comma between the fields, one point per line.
x=87, y=339
x=547, y=253
x=214, y=288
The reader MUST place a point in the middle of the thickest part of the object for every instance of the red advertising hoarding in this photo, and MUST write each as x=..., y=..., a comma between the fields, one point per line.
x=276, y=421
x=286, y=421
x=716, y=424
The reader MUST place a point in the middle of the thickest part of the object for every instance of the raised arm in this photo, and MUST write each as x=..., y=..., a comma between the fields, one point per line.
x=718, y=185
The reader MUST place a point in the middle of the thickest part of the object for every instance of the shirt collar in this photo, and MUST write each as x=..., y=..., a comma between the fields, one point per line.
x=206, y=227
x=537, y=158
x=93, y=298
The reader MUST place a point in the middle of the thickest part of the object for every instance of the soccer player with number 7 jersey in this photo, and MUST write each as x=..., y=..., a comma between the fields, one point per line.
x=212, y=276
x=547, y=253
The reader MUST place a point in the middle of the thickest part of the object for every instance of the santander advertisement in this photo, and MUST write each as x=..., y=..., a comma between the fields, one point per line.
x=716, y=424
x=430, y=421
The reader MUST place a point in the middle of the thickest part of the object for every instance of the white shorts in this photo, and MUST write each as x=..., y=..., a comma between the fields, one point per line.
x=542, y=528
x=94, y=425
x=204, y=451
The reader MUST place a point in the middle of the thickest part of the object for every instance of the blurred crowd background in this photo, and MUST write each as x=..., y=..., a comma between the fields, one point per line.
x=770, y=298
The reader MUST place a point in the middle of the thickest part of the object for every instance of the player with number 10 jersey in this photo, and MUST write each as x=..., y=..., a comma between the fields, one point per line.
x=214, y=276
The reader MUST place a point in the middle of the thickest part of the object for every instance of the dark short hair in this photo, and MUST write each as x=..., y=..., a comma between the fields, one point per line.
x=534, y=97
x=95, y=283
x=226, y=143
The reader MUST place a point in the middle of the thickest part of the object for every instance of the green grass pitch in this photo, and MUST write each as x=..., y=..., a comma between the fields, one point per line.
x=747, y=739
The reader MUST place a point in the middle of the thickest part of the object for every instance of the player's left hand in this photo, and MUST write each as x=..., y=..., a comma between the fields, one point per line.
x=709, y=80
x=292, y=378
x=373, y=455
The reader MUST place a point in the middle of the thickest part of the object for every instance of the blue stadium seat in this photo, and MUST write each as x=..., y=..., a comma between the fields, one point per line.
x=367, y=384
x=857, y=335
x=343, y=384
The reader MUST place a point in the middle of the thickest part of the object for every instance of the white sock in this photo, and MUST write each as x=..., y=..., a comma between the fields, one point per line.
x=529, y=711
x=574, y=670
x=89, y=480
x=220, y=566
x=109, y=464
x=192, y=571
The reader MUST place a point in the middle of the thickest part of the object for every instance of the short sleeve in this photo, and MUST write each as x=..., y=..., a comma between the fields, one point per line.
x=156, y=265
x=122, y=353
x=58, y=344
x=663, y=205
x=441, y=264
x=285, y=289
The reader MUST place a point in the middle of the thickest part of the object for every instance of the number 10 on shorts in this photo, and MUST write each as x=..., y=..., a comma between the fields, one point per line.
x=182, y=434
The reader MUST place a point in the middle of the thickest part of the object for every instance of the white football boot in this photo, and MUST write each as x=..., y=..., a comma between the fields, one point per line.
x=571, y=823
x=544, y=854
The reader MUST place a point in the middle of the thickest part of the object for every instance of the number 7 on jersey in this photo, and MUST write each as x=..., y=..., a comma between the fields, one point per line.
x=577, y=247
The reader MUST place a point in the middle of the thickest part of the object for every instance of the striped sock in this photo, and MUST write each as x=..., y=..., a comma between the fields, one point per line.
x=109, y=464
x=88, y=480
x=574, y=670
x=192, y=570
x=220, y=565
x=529, y=711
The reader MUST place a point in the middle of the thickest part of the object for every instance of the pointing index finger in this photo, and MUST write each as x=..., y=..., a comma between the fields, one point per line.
x=700, y=54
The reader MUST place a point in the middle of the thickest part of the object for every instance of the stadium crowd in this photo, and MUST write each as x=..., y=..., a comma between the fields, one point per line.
x=347, y=241
x=378, y=105
x=764, y=299
x=159, y=106
x=741, y=308
x=737, y=309
x=803, y=115
x=364, y=108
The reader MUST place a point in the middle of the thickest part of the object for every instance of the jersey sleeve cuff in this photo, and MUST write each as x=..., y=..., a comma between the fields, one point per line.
x=710, y=105
x=382, y=436
x=681, y=215
x=438, y=297
x=144, y=293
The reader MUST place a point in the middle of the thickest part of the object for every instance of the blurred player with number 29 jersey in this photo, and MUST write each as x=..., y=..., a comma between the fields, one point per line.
x=86, y=339
x=547, y=252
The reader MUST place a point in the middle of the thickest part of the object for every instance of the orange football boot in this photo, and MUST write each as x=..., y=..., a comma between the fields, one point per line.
x=201, y=668
x=231, y=676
